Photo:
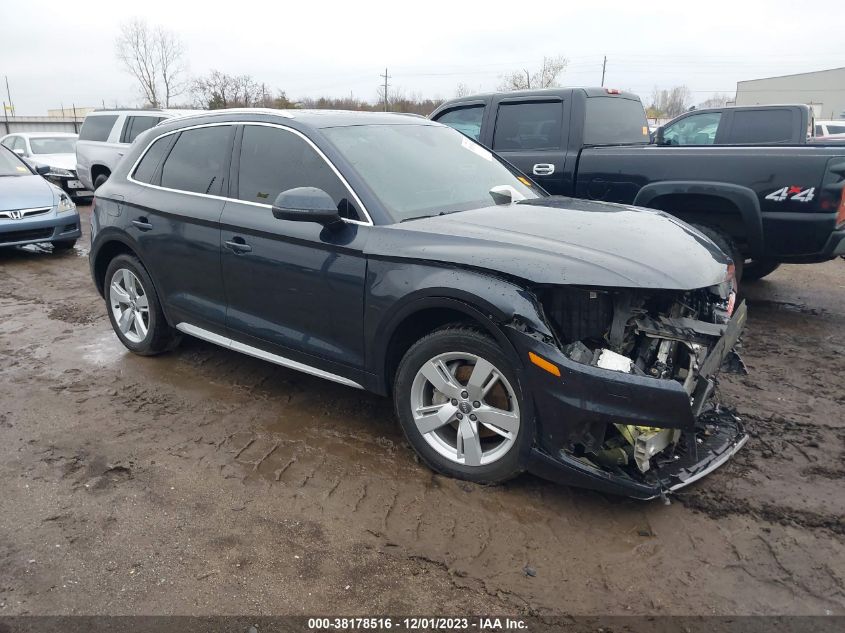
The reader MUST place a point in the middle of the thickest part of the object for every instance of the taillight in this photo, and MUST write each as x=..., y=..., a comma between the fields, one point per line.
x=613, y=91
x=840, y=214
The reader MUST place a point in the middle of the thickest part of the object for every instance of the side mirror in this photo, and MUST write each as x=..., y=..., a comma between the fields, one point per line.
x=306, y=204
x=658, y=136
x=42, y=170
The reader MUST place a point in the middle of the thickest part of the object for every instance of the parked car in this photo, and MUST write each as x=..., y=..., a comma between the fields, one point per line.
x=56, y=150
x=739, y=125
x=33, y=210
x=762, y=205
x=105, y=136
x=830, y=129
x=578, y=340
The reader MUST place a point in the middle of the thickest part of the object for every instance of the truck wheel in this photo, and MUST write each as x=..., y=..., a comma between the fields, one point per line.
x=727, y=245
x=63, y=245
x=755, y=269
x=99, y=180
x=461, y=406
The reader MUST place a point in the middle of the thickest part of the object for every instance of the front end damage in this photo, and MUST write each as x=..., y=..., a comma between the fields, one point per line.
x=632, y=410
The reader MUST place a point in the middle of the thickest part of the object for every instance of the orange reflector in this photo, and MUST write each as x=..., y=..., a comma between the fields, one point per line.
x=524, y=180
x=542, y=363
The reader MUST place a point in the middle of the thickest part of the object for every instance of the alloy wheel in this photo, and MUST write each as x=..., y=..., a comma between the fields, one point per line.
x=465, y=408
x=130, y=305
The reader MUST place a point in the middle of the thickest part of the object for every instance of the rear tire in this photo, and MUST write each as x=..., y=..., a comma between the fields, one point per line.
x=726, y=243
x=64, y=245
x=461, y=406
x=755, y=269
x=134, y=308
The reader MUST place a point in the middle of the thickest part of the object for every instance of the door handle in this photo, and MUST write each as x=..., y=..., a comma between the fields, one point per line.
x=143, y=224
x=237, y=245
x=543, y=169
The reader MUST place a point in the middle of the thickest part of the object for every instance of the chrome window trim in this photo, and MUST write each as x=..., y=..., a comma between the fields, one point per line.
x=232, y=344
x=320, y=153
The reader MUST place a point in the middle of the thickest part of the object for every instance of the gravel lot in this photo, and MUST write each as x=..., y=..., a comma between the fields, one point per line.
x=207, y=482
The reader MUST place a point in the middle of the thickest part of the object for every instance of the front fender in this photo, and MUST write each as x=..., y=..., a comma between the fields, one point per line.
x=742, y=197
x=398, y=290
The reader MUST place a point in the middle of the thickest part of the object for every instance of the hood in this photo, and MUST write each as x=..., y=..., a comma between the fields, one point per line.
x=564, y=241
x=24, y=192
x=65, y=161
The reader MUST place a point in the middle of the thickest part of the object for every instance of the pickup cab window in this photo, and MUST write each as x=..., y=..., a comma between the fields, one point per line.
x=697, y=129
x=615, y=121
x=762, y=126
x=466, y=120
x=528, y=126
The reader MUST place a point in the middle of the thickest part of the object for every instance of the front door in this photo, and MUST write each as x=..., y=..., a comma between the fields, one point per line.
x=297, y=286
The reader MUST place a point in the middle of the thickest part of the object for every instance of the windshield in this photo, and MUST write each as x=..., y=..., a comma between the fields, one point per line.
x=11, y=165
x=615, y=121
x=422, y=170
x=52, y=145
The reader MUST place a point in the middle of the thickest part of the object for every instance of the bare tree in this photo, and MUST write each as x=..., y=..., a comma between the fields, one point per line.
x=154, y=56
x=546, y=77
x=171, y=54
x=670, y=103
x=136, y=50
x=462, y=90
x=221, y=90
x=718, y=100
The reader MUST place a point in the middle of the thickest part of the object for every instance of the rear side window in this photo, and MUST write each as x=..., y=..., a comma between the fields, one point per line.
x=97, y=127
x=836, y=129
x=147, y=168
x=275, y=160
x=197, y=160
x=761, y=126
x=466, y=120
x=135, y=125
x=528, y=126
x=614, y=121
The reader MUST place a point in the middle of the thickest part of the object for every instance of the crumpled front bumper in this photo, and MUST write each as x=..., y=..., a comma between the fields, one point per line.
x=575, y=409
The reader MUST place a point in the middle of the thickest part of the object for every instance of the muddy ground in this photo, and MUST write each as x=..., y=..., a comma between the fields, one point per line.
x=207, y=482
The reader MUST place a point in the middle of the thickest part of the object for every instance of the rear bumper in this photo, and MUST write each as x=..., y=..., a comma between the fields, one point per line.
x=55, y=227
x=70, y=185
x=575, y=409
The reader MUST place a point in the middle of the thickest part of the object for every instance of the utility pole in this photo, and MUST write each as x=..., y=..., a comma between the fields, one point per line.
x=603, y=68
x=9, y=94
x=6, y=115
x=385, y=76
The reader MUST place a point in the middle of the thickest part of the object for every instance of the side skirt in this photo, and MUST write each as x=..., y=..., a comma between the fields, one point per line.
x=229, y=343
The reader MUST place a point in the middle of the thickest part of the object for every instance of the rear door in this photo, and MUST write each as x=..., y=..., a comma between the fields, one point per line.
x=530, y=133
x=296, y=288
x=175, y=219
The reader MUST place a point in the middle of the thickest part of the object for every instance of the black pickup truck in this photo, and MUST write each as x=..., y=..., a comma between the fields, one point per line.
x=763, y=205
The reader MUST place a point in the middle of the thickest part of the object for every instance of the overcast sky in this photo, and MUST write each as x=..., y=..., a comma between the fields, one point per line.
x=58, y=53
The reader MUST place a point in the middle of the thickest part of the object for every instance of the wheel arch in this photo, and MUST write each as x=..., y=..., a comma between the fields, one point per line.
x=731, y=208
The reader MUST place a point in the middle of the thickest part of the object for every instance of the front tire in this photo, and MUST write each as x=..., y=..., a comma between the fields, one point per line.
x=461, y=407
x=755, y=269
x=134, y=309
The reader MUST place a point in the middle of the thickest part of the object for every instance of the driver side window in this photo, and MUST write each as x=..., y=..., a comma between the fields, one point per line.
x=697, y=129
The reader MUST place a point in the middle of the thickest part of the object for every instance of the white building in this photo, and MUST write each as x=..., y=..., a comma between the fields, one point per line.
x=823, y=90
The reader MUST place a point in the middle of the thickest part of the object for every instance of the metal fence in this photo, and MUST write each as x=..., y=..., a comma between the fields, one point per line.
x=11, y=124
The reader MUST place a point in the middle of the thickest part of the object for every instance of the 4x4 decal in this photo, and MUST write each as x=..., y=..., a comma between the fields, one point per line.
x=792, y=193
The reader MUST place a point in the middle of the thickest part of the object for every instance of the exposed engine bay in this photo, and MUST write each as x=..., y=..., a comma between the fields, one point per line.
x=686, y=337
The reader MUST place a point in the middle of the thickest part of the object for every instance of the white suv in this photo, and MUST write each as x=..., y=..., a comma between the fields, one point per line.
x=105, y=136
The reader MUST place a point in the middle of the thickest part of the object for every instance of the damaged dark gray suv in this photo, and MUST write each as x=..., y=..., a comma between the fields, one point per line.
x=515, y=331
